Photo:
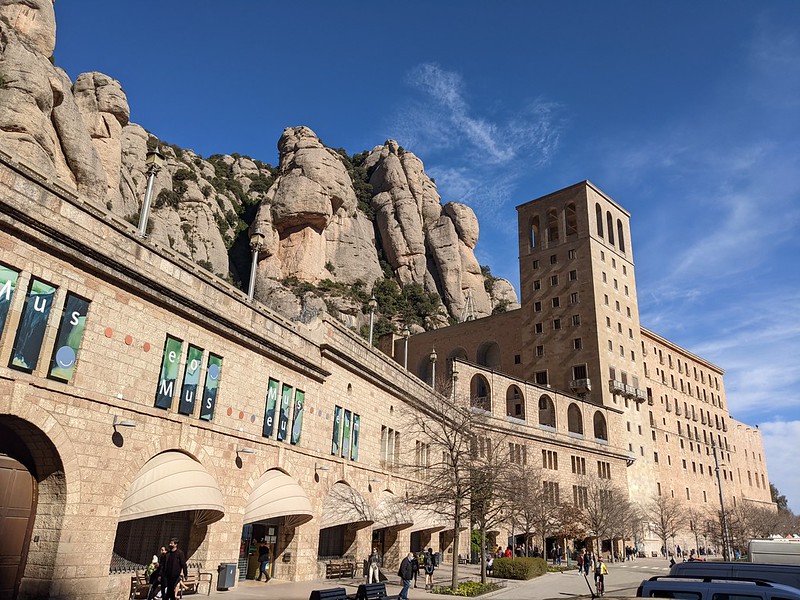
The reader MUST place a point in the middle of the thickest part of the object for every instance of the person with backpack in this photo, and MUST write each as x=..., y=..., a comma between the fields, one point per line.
x=429, y=567
x=600, y=572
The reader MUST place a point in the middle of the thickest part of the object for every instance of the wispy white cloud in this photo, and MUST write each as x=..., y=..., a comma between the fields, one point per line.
x=474, y=154
x=780, y=444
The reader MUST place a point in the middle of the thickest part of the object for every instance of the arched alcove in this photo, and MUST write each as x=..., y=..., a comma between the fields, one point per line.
x=547, y=411
x=574, y=419
x=571, y=217
x=515, y=402
x=552, y=225
x=600, y=429
x=489, y=354
x=480, y=392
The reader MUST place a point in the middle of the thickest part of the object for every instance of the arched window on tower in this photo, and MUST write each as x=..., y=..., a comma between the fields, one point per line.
x=620, y=236
x=547, y=412
x=610, y=223
x=552, y=225
x=534, y=231
x=600, y=431
x=574, y=419
x=572, y=219
x=598, y=215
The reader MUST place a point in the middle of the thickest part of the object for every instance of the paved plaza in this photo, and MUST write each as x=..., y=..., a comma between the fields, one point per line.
x=622, y=581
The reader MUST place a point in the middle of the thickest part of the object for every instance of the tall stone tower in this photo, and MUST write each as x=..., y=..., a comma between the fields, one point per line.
x=581, y=331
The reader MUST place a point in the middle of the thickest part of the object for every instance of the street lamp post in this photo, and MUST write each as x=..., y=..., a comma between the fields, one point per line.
x=154, y=160
x=726, y=549
x=454, y=375
x=373, y=304
x=433, y=367
x=406, y=335
x=256, y=243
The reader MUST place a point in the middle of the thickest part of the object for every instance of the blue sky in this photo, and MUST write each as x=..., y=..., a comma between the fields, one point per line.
x=686, y=113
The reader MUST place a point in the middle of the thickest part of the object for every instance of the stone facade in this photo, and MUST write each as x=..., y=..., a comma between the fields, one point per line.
x=578, y=332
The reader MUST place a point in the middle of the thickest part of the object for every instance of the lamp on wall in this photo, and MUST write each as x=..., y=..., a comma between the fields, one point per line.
x=406, y=335
x=373, y=304
x=318, y=468
x=122, y=423
x=153, y=161
x=433, y=366
x=256, y=243
x=244, y=450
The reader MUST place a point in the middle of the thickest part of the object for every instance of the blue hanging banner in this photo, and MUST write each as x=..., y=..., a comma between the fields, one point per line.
x=8, y=283
x=286, y=404
x=169, y=372
x=68, y=340
x=32, y=326
x=213, y=373
x=191, y=380
x=269, y=413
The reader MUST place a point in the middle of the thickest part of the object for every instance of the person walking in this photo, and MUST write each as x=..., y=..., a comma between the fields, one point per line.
x=429, y=568
x=263, y=562
x=374, y=565
x=415, y=568
x=405, y=574
x=174, y=568
x=151, y=572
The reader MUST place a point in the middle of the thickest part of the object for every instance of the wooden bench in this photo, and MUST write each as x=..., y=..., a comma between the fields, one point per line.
x=195, y=578
x=336, y=569
x=140, y=586
x=373, y=591
x=329, y=594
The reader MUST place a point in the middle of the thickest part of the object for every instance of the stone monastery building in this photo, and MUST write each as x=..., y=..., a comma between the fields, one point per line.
x=141, y=397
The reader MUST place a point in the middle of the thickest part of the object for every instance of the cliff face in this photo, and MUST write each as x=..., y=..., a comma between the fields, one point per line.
x=320, y=223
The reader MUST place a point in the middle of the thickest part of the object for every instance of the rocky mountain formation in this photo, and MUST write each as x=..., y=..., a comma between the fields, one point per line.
x=335, y=228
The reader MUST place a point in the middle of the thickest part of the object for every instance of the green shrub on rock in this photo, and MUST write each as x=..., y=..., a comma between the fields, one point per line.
x=519, y=568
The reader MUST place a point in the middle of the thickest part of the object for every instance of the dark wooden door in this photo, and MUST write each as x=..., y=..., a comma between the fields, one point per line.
x=17, y=499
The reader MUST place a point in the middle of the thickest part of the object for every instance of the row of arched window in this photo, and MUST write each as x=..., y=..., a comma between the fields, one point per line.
x=552, y=227
x=609, y=227
x=481, y=397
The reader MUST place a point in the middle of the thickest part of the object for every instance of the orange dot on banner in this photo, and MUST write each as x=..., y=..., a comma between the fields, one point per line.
x=109, y=332
x=146, y=347
x=230, y=411
x=128, y=340
x=241, y=414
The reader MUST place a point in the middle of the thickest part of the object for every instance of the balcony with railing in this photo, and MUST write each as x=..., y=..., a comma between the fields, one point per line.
x=580, y=385
x=616, y=387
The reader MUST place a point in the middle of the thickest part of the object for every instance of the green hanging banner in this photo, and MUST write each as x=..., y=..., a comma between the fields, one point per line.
x=346, y=433
x=269, y=414
x=337, y=424
x=297, y=424
x=356, y=431
x=191, y=380
x=169, y=372
x=32, y=326
x=286, y=402
x=213, y=372
x=8, y=283
x=68, y=340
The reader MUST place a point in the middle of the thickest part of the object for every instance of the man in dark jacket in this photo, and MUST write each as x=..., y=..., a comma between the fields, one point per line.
x=172, y=570
x=406, y=573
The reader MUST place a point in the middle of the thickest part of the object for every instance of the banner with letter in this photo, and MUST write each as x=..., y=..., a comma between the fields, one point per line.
x=286, y=403
x=297, y=423
x=337, y=424
x=8, y=283
x=32, y=326
x=68, y=340
x=346, y=433
x=356, y=431
x=169, y=372
x=269, y=414
x=213, y=372
x=191, y=380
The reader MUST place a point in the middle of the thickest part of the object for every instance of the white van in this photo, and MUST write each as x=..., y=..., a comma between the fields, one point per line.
x=785, y=574
x=711, y=588
x=776, y=551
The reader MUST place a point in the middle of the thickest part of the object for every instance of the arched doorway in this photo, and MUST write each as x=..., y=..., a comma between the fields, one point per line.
x=32, y=489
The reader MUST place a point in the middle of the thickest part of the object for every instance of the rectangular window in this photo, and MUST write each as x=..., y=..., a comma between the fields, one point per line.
x=605, y=299
x=213, y=373
x=556, y=323
x=605, y=278
x=580, y=496
x=8, y=283
x=579, y=372
x=539, y=350
x=537, y=285
x=541, y=377
x=553, y=259
x=297, y=422
x=68, y=340
x=170, y=363
x=537, y=306
x=269, y=414
x=191, y=380
x=286, y=405
x=572, y=254
x=517, y=359
x=32, y=326
x=554, y=280
x=536, y=264
x=576, y=320
x=573, y=275
x=573, y=298
x=556, y=302
x=577, y=344
x=538, y=328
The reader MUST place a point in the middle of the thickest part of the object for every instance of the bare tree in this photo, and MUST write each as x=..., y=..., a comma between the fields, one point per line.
x=532, y=510
x=457, y=462
x=600, y=512
x=665, y=516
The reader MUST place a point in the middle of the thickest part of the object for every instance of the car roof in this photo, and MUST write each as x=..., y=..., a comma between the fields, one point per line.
x=672, y=582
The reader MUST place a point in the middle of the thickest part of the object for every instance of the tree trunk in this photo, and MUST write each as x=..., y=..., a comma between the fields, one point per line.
x=483, y=555
x=456, y=535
